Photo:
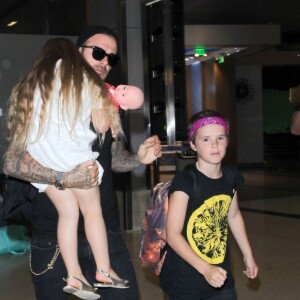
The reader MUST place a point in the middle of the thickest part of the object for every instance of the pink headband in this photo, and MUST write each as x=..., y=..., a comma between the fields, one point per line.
x=208, y=121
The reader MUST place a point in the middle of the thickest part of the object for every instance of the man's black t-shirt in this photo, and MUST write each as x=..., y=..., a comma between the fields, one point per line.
x=205, y=229
x=44, y=213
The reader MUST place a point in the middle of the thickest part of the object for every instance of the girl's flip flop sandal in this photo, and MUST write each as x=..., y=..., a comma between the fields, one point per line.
x=84, y=292
x=113, y=283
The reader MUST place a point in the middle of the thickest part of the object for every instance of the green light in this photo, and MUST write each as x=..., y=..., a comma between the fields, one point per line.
x=220, y=59
x=200, y=50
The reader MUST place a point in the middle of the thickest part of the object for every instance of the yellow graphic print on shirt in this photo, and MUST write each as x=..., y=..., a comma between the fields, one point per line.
x=207, y=229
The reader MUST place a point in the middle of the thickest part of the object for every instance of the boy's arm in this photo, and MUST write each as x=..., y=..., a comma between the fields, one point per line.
x=214, y=275
x=124, y=161
x=238, y=229
x=20, y=164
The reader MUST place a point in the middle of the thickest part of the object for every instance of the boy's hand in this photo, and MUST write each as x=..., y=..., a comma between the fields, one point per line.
x=251, y=268
x=215, y=276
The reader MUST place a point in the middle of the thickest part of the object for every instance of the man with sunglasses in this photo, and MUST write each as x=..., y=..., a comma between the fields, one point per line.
x=99, y=50
x=98, y=46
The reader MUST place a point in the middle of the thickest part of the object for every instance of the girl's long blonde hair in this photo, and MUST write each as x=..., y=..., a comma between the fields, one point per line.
x=74, y=73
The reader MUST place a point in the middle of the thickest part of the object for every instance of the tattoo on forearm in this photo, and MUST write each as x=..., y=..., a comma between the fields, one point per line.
x=21, y=165
x=122, y=160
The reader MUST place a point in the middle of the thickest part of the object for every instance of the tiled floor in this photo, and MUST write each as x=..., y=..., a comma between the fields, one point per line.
x=270, y=203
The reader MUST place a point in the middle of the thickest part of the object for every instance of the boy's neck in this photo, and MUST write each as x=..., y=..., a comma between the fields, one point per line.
x=210, y=170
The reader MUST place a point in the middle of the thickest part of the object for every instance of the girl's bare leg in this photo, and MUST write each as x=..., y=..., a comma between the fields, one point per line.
x=68, y=211
x=95, y=230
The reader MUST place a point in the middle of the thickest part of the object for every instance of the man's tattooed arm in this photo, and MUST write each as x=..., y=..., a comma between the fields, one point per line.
x=124, y=161
x=21, y=165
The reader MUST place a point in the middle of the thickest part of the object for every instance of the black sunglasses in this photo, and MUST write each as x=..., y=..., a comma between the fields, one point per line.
x=99, y=54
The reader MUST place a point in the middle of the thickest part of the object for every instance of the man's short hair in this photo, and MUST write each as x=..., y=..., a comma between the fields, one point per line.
x=93, y=30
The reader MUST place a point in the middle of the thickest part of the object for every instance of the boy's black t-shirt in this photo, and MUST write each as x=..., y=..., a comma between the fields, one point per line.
x=44, y=214
x=205, y=229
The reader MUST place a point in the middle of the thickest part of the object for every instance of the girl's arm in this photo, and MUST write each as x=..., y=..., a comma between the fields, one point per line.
x=214, y=275
x=20, y=164
x=237, y=226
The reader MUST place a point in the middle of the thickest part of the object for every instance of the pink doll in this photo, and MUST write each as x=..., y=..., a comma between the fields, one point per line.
x=126, y=96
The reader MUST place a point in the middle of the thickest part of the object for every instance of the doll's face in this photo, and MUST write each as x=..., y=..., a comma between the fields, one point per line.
x=129, y=96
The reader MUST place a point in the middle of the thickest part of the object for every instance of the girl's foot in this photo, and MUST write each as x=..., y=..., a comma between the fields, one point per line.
x=76, y=281
x=77, y=287
x=105, y=279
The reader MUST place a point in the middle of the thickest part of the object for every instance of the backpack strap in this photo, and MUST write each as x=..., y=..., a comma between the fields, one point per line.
x=195, y=185
x=191, y=170
x=195, y=189
x=228, y=171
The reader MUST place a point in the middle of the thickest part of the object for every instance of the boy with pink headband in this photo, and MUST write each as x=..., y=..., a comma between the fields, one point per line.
x=197, y=264
x=208, y=121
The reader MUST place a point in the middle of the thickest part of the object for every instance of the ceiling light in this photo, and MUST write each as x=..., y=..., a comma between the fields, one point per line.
x=153, y=2
x=220, y=59
x=200, y=50
x=12, y=23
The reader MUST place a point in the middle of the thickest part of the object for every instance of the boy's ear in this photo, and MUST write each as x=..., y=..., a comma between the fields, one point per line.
x=193, y=147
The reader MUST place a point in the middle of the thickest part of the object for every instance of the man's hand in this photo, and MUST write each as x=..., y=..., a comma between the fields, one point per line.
x=295, y=121
x=149, y=151
x=84, y=176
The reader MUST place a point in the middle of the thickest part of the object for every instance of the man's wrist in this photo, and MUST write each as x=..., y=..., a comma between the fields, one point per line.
x=59, y=181
x=136, y=159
